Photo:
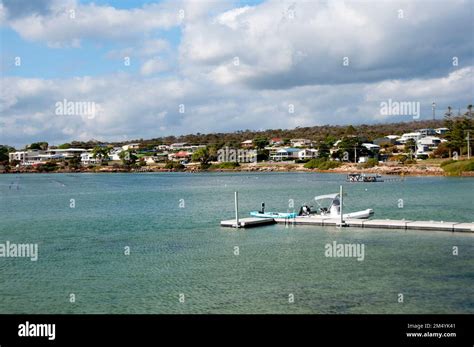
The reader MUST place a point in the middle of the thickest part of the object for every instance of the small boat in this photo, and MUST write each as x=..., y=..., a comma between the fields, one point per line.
x=333, y=209
x=273, y=214
x=357, y=177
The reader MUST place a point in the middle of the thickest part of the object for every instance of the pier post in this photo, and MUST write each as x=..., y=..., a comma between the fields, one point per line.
x=237, y=224
x=341, y=221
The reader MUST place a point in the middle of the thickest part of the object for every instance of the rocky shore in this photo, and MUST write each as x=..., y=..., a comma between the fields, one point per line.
x=419, y=169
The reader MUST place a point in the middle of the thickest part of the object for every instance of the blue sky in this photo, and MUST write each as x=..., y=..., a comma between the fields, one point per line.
x=232, y=64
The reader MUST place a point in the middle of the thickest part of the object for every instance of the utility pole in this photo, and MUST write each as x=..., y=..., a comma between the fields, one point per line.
x=468, y=146
x=355, y=155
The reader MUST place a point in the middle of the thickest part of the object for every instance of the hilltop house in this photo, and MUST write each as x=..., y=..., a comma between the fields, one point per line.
x=300, y=142
x=247, y=144
x=276, y=141
x=131, y=146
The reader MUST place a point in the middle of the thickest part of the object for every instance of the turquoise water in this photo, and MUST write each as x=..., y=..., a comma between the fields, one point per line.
x=176, y=248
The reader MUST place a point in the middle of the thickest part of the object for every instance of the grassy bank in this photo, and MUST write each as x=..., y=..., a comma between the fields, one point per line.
x=458, y=167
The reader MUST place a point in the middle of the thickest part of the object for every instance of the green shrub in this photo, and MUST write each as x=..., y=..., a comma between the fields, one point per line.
x=173, y=165
x=447, y=162
x=456, y=168
x=225, y=165
x=321, y=164
x=370, y=163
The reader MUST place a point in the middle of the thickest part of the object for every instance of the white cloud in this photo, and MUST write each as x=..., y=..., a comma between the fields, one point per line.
x=153, y=66
x=69, y=22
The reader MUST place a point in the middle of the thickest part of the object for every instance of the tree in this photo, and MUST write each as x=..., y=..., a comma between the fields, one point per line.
x=260, y=142
x=323, y=150
x=100, y=152
x=127, y=157
x=410, y=146
x=42, y=146
x=4, y=150
x=201, y=155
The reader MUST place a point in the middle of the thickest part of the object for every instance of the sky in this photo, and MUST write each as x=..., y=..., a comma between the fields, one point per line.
x=149, y=69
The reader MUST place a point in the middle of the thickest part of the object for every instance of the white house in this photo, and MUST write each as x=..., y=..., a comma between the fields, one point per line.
x=66, y=153
x=429, y=141
x=415, y=136
x=441, y=131
x=87, y=158
x=300, y=142
x=307, y=153
x=247, y=144
x=285, y=154
x=26, y=158
x=114, y=153
x=177, y=145
x=371, y=147
x=131, y=146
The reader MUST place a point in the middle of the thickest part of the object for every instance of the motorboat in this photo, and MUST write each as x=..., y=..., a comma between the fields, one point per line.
x=263, y=214
x=357, y=177
x=329, y=205
x=273, y=214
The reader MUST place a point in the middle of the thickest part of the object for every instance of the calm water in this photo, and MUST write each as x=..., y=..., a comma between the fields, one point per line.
x=177, y=250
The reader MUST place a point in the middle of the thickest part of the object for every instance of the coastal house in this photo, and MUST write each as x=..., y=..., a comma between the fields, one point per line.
x=65, y=153
x=429, y=141
x=247, y=144
x=87, y=158
x=26, y=158
x=131, y=146
x=162, y=147
x=177, y=146
x=371, y=147
x=427, y=132
x=307, y=153
x=300, y=142
x=276, y=141
x=415, y=136
x=114, y=154
x=180, y=156
x=441, y=131
x=285, y=154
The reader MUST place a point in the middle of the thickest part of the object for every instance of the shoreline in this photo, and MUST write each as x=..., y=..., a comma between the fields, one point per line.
x=388, y=170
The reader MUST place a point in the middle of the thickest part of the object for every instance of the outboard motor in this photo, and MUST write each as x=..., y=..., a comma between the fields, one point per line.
x=335, y=209
x=263, y=208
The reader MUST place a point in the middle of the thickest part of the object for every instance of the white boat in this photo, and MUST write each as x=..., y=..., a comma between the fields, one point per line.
x=333, y=209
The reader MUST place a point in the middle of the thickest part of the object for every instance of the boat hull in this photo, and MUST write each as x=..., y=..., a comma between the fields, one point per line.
x=273, y=214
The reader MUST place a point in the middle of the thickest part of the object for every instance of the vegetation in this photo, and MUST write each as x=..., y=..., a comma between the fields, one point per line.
x=4, y=150
x=225, y=165
x=174, y=165
x=458, y=167
x=321, y=164
x=128, y=158
x=372, y=162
